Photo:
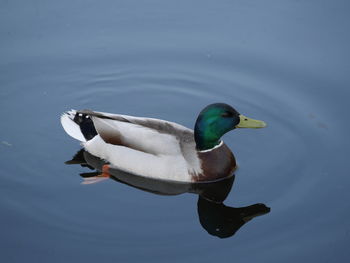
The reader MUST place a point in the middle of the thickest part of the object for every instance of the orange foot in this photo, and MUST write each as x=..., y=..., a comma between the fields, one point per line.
x=99, y=178
x=105, y=171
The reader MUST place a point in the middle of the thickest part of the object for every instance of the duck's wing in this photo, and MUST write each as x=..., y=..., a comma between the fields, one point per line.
x=145, y=146
x=148, y=135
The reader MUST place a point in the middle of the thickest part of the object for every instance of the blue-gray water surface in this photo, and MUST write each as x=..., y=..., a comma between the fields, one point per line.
x=285, y=62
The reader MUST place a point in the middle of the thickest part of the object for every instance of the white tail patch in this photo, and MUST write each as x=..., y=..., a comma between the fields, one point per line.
x=70, y=126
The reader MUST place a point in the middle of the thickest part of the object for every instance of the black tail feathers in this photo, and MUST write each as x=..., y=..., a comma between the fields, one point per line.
x=86, y=125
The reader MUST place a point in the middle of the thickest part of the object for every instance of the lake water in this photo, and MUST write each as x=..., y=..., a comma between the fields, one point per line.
x=284, y=62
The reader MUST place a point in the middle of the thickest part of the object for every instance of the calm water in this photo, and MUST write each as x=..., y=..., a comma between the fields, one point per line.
x=285, y=62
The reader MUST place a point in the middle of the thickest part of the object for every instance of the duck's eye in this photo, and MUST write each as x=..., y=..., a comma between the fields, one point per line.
x=227, y=114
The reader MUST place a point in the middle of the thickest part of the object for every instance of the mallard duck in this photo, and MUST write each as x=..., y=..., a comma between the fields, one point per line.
x=161, y=149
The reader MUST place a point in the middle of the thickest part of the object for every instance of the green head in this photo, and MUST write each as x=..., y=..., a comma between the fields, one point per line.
x=217, y=119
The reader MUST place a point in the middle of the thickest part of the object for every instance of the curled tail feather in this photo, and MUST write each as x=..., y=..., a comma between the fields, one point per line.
x=78, y=125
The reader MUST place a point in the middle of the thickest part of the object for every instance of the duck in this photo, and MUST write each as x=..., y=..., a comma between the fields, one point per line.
x=161, y=149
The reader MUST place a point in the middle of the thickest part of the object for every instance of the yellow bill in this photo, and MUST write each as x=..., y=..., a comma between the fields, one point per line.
x=245, y=122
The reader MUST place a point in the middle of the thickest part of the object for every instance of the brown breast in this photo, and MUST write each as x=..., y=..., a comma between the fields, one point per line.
x=216, y=164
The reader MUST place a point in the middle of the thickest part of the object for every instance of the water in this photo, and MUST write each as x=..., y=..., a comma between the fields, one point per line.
x=285, y=62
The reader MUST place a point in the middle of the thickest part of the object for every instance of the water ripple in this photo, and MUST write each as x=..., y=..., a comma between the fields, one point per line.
x=175, y=87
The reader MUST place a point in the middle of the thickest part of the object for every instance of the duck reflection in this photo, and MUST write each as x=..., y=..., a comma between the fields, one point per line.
x=215, y=217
